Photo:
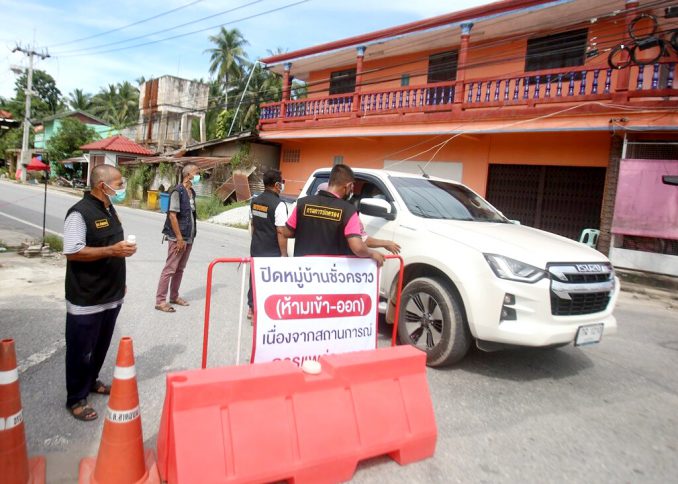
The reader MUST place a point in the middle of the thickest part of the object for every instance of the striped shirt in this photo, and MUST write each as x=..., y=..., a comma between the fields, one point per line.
x=75, y=239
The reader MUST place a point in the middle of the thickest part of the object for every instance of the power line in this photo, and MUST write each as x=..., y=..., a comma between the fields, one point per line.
x=117, y=29
x=68, y=52
x=260, y=14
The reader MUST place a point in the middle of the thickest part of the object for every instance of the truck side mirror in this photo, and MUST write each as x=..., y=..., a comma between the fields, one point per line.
x=376, y=207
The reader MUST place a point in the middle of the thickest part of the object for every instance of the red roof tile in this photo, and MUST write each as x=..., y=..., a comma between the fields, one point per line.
x=119, y=144
x=5, y=114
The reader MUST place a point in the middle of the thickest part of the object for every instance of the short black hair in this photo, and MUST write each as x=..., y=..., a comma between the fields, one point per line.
x=271, y=177
x=341, y=174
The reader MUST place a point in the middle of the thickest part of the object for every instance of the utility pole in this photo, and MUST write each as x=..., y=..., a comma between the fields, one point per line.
x=25, y=153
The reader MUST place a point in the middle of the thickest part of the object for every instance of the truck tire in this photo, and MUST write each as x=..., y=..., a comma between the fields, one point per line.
x=431, y=319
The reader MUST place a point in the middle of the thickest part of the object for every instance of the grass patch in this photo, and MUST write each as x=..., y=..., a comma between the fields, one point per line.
x=55, y=242
x=207, y=207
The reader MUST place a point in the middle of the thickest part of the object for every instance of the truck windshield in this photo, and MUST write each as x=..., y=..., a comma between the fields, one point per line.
x=442, y=200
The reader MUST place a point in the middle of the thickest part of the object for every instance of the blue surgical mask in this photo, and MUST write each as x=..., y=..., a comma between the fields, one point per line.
x=119, y=196
x=195, y=180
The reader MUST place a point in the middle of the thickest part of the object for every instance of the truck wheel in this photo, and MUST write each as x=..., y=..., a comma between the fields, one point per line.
x=432, y=320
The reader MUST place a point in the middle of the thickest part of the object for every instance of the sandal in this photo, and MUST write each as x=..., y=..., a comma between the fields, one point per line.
x=82, y=411
x=165, y=308
x=180, y=302
x=100, y=388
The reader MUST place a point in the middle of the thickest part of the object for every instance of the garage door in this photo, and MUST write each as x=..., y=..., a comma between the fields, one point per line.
x=560, y=199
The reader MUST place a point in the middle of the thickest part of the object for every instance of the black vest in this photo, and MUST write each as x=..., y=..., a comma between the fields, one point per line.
x=101, y=281
x=184, y=216
x=321, y=220
x=265, y=235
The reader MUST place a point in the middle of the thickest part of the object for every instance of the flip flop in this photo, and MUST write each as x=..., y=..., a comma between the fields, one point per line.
x=82, y=411
x=180, y=302
x=100, y=388
x=165, y=308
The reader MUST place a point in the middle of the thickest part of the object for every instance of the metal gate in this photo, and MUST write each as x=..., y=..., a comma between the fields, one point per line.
x=559, y=199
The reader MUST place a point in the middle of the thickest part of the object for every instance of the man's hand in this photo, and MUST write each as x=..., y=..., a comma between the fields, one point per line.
x=123, y=249
x=392, y=247
x=181, y=245
x=378, y=258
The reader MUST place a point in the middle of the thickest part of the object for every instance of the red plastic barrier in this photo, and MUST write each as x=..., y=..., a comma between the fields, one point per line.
x=271, y=421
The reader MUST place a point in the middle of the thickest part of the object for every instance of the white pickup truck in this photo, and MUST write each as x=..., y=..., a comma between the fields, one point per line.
x=473, y=275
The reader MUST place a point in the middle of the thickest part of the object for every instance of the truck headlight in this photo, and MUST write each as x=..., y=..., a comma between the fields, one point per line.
x=514, y=270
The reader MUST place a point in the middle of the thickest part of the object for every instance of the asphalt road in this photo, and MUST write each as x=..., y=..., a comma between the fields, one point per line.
x=602, y=414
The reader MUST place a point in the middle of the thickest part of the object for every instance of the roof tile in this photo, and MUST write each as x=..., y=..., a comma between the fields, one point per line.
x=119, y=144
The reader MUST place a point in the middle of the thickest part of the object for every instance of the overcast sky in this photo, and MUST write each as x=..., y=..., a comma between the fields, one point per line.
x=55, y=23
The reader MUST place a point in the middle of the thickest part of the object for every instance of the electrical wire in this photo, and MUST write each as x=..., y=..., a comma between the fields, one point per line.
x=169, y=29
x=138, y=22
x=185, y=34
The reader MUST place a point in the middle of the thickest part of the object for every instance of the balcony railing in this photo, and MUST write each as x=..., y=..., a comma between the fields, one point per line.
x=529, y=89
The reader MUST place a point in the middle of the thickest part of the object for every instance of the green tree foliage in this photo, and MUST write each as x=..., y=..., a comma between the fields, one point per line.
x=117, y=104
x=67, y=142
x=79, y=100
x=46, y=101
x=227, y=58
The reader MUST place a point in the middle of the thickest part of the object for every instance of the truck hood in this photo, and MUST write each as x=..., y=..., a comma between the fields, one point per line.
x=519, y=242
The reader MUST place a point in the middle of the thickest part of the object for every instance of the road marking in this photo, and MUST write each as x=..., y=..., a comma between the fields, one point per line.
x=37, y=358
x=31, y=224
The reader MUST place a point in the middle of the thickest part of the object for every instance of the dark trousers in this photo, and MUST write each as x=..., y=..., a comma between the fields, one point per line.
x=87, y=340
x=250, y=301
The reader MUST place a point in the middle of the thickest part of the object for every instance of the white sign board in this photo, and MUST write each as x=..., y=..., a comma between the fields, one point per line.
x=312, y=306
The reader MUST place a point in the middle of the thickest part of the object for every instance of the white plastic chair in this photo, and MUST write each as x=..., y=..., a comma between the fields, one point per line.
x=589, y=237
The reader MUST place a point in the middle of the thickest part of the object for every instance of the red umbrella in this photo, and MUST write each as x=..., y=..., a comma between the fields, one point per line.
x=36, y=164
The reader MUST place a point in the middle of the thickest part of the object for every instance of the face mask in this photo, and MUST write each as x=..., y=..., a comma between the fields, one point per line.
x=195, y=180
x=119, y=196
x=282, y=187
x=349, y=195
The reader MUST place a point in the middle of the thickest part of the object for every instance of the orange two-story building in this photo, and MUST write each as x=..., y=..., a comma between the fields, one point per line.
x=531, y=103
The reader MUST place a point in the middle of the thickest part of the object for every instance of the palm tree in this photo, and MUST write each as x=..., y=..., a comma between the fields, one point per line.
x=227, y=58
x=80, y=101
x=104, y=103
x=118, y=104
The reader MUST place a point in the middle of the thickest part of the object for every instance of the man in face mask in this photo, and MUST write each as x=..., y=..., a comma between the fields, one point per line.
x=95, y=252
x=268, y=215
x=327, y=224
x=180, y=229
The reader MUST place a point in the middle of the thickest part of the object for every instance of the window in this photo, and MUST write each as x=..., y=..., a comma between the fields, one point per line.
x=338, y=159
x=125, y=160
x=291, y=155
x=566, y=49
x=342, y=82
x=405, y=80
x=442, y=67
x=441, y=200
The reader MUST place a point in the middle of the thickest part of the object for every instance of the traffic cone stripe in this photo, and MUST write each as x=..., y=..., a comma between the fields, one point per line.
x=124, y=372
x=7, y=377
x=11, y=421
x=122, y=416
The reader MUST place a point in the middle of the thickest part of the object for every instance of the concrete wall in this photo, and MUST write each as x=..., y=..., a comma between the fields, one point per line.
x=475, y=153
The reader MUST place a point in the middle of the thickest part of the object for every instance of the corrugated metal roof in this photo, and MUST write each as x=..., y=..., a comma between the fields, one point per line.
x=118, y=144
x=202, y=162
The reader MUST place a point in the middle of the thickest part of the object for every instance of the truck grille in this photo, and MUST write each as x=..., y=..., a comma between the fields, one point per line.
x=579, y=304
x=580, y=288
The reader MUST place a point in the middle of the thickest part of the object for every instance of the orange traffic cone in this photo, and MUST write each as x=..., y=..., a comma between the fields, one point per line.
x=121, y=458
x=15, y=466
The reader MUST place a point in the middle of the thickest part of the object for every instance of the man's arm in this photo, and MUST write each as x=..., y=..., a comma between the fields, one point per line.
x=360, y=249
x=75, y=243
x=282, y=240
x=174, y=223
x=89, y=254
x=389, y=245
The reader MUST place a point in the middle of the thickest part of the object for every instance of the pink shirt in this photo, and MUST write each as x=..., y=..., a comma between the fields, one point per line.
x=354, y=227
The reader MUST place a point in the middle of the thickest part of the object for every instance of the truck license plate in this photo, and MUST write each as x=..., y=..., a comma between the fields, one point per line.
x=589, y=334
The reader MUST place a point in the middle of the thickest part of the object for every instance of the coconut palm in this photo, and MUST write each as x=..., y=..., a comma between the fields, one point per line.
x=228, y=58
x=80, y=100
x=118, y=104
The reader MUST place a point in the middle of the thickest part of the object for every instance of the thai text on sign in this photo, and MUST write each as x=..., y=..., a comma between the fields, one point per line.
x=307, y=307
